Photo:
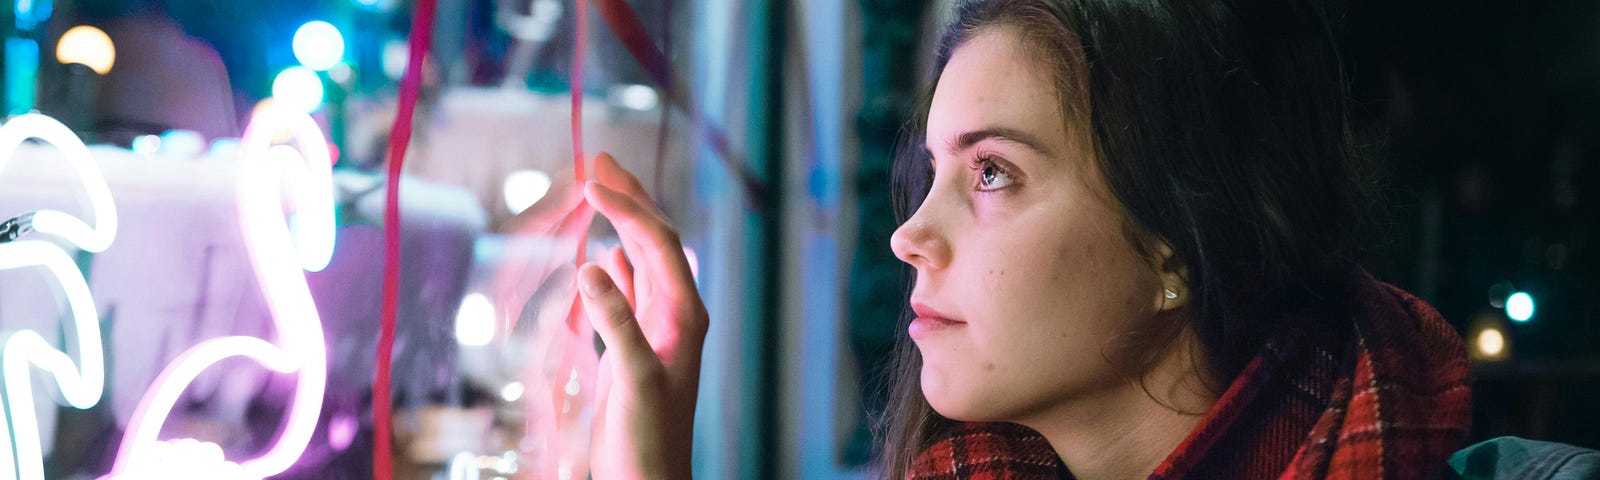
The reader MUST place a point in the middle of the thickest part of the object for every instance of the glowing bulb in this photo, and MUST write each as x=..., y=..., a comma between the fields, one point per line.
x=318, y=45
x=298, y=88
x=1491, y=342
x=475, y=321
x=89, y=46
x=1519, y=306
x=524, y=188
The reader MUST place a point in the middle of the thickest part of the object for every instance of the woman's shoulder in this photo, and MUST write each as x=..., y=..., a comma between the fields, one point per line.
x=1512, y=457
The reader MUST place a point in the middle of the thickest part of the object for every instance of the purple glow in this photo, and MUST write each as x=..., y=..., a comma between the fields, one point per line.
x=263, y=168
x=342, y=431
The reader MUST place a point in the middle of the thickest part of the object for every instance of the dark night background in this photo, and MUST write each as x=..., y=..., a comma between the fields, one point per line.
x=1487, y=114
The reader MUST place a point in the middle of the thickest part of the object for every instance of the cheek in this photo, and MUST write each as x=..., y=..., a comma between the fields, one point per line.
x=1060, y=280
x=1048, y=300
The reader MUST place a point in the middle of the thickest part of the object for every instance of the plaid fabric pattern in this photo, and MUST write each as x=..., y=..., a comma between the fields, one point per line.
x=989, y=451
x=1385, y=395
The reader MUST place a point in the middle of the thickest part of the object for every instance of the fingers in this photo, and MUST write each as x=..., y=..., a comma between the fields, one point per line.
x=648, y=238
x=616, y=263
x=613, y=176
x=613, y=319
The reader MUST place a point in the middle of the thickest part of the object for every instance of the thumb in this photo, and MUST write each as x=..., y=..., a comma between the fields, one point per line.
x=613, y=319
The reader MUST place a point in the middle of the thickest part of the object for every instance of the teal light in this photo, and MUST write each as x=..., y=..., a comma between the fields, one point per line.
x=1519, y=306
x=21, y=72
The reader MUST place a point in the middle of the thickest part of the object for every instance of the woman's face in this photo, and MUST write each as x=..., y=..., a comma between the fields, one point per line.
x=1024, y=277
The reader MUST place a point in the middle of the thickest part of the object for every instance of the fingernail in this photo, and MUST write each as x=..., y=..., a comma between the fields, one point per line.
x=595, y=281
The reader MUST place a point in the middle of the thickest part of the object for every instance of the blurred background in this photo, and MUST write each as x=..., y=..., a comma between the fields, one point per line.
x=768, y=147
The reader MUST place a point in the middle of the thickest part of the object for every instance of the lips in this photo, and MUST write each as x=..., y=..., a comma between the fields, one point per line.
x=930, y=321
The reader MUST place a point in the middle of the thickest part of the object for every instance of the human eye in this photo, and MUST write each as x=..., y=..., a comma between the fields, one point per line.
x=990, y=175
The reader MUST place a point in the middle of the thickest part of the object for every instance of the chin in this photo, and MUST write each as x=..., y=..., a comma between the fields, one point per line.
x=959, y=401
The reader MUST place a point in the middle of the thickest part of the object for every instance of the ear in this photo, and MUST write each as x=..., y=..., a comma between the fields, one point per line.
x=1172, y=291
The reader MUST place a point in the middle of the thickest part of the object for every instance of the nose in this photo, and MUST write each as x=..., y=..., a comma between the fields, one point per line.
x=919, y=243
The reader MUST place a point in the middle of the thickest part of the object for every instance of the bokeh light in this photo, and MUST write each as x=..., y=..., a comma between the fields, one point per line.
x=512, y=391
x=318, y=45
x=475, y=321
x=89, y=46
x=1520, y=307
x=1491, y=342
x=524, y=188
x=298, y=88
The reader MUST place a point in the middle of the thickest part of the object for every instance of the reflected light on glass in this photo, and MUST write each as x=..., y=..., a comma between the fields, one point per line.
x=1519, y=306
x=298, y=88
x=88, y=46
x=475, y=321
x=318, y=45
x=524, y=188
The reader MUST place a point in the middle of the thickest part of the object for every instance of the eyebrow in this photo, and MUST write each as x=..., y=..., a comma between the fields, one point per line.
x=1009, y=135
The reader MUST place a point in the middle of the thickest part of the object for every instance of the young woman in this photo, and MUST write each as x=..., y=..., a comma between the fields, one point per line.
x=1131, y=225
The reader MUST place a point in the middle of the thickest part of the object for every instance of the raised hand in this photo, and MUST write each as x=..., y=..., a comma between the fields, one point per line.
x=653, y=326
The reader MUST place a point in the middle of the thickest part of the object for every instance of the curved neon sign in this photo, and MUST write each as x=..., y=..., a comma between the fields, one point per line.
x=263, y=169
x=80, y=381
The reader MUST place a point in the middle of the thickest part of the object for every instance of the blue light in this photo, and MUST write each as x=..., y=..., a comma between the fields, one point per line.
x=31, y=13
x=375, y=5
x=1519, y=306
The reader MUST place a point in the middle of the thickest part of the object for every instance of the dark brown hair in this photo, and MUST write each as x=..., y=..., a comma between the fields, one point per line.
x=1219, y=128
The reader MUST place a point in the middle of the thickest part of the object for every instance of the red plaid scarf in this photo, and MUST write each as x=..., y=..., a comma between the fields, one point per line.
x=1390, y=398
